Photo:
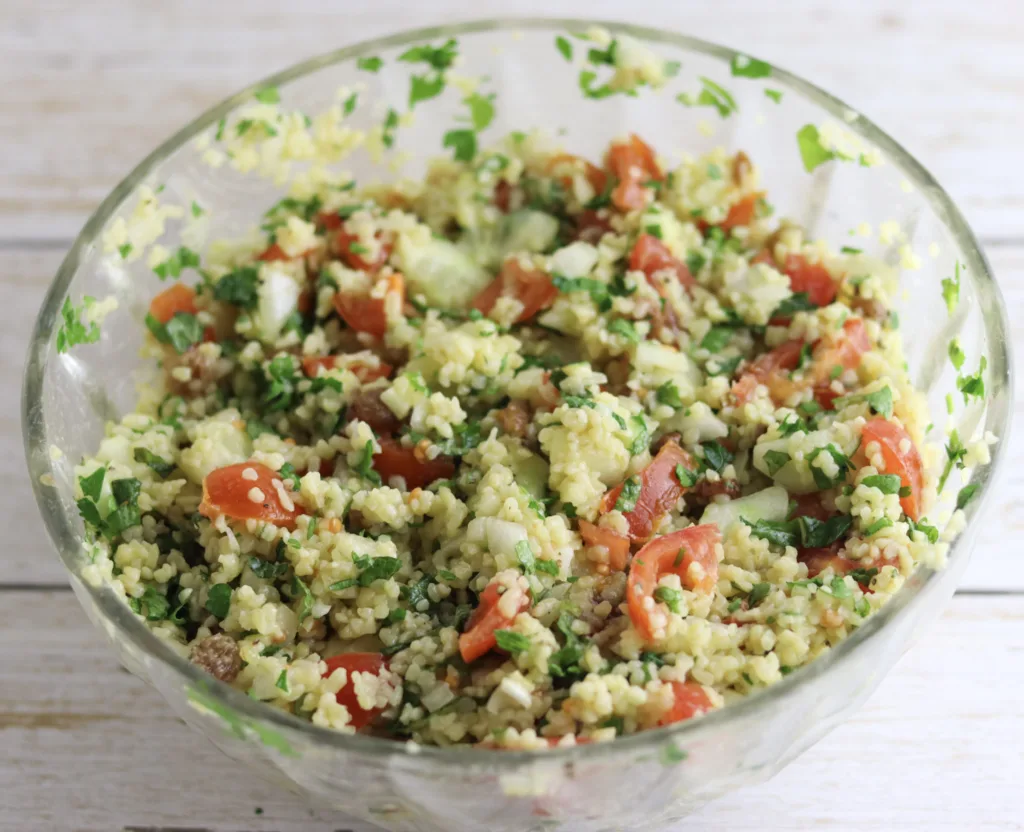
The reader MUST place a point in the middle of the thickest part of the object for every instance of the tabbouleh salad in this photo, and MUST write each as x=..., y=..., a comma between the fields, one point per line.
x=534, y=452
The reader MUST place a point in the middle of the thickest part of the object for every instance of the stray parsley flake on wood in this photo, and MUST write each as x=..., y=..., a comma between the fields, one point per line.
x=73, y=330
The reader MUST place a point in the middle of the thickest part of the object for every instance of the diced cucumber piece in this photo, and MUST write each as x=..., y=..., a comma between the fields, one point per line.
x=772, y=503
x=447, y=275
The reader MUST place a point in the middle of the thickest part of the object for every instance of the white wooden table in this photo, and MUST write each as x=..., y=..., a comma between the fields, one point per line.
x=86, y=89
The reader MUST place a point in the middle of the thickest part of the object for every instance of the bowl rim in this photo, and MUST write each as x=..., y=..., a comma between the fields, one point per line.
x=997, y=417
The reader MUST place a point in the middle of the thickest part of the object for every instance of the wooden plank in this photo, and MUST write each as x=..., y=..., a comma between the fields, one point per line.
x=933, y=749
x=25, y=274
x=945, y=77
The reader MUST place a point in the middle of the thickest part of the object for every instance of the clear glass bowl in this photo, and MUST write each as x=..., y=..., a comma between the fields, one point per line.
x=641, y=781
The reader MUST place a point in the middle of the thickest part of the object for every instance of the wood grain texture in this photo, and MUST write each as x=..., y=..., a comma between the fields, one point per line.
x=942, y=732
x=90, y=88
x=25, y=273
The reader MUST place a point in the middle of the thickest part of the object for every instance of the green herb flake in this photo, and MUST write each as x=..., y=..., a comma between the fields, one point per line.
x=744, y=67
x=716, y=456
x=183, y=258
x=774, y=95
x=372, y=64
x=282, y=681
x=966, y=494
x=686, y=477
x=630, y=494
x=758, y=592
x=671, y=598
x=973, y=385
x=625, y=328
x=838, y=588
x=350, y=104
x=671, y=754
x=365, y=466
x=73, y=330
x=267, y=95
x=877, y=526
x=775, y=460
x=463, y=144
x=159, y=465
x=524, y=554
x=563, y=45
x=811, y=151
x=389, y=127
x=218, y=600
x=886, y=483
x=951, y=289
x=668, y=394
x=301, y=591
x=511, y=641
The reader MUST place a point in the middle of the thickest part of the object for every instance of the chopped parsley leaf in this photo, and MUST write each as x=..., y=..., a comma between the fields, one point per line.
x=183, y=258
x=716, y=457
x=463, y=144
x=671, y=598
x=267, y=95
x=775, y=460
x=73, y=330
x=240, y=287
x=668, y=394
x=686, y=477
x=758, y=592
x=563, y=45
x=811, y=151
x=877, y=526
x=159, y=465
x=951, y=289
x=966, y=495
x=372, y=64
x=774, y=95
x=973, y=385
x=629, y=495
x=524, y=554
x=218, y=600
x=744, y=67
x=625, y=328
x=886, y=483
x=365, y=466
x=511, y=641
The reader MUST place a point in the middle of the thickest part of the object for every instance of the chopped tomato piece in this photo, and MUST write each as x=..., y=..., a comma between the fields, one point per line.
x=842, y=349
x=809, y=505
x=366, y=313
x=659, y=490
x=488, y=617
x=812, y=278
x=632, y=162
x=616, y=544
x=818, y=560
x=229, y=491
x=171, y=301
x=743, y=212
x=274, y=252
x=329, y=221
x=674, y=553
x=395, y=460
x=565, y=165
x=650, y=255
x=366, y=373
x=531, y=287
x=690, y=701
x=348, y=248
x=901, y=457
x=771, y=369
x=372, y=663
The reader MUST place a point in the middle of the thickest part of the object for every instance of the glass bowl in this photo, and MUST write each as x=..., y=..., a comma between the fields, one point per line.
x=641, y=781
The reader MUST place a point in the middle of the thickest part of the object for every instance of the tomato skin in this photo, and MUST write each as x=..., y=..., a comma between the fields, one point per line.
x=812, y=278
x=366, y=373
x=770, y=369
x=659, y=490
x=274, y=252
x=657, y=558
x=818, y=560
x=650, y=255
x=395, y=460
x=690, y=701
x=568, y=163
x=226, y=492
x=356, y=663
x=342, y=245
x=743, y=212
x=632, y=162
x=844, y=349
x=616, y=544
x=171, y=301
x=907, y=464
x=478, y=639
x=365, y=313
x=531, y=287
